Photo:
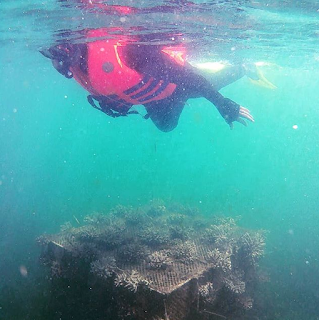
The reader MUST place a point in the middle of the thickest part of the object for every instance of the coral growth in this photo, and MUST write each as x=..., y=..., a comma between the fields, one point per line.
x=186, y=210
x=176, y=219
x=245, y=301
x=252, y=246
x=220, y=259
x=180, y=232
x=109, y=236
x=235, y=283
x=66, y=226
x=157, y=211
x=159, y=260
x=99, y=218
x=184, y=251
x=221, y=233
x=132, y=253
x=164, y=249
x=207, y=292
x=56, y=269
x=104, y=267
x=130, y=280
x=122, y=211
x=154, y=236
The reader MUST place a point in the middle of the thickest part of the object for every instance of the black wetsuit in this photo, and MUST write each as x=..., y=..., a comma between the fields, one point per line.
x=150, y=60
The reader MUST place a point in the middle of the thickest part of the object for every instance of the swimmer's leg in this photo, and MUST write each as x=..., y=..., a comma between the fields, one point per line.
x=165, y=113
x=226, y=76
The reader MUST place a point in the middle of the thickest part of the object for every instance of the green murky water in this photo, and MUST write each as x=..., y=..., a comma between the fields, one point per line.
x=62, y=159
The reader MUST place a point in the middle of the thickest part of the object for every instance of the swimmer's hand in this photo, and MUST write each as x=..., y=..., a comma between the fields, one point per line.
x=243, y=114
x=232, y=111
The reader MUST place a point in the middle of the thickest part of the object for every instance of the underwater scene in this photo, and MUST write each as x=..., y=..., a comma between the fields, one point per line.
x=159, y=160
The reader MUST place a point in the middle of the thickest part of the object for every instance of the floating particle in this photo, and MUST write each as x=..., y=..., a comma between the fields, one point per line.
x=23, y=271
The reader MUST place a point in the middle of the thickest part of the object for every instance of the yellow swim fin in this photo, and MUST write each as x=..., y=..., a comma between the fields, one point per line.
x=261, y=80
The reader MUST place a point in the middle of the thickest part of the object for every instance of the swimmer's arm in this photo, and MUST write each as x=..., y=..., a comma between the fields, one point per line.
x=230, y=110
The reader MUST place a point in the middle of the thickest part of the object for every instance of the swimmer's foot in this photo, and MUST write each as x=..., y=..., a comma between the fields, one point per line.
x=256, y=76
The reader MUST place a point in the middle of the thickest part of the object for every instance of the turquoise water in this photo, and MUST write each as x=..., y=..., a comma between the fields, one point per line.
x=61, y=159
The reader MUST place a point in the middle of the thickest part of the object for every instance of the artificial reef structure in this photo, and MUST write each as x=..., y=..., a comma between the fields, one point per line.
x=155, y=262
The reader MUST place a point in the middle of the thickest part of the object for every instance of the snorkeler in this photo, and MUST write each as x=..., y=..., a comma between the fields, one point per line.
x=120, y=74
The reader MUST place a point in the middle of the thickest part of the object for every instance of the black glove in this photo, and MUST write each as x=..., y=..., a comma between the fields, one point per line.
x=228, y=109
